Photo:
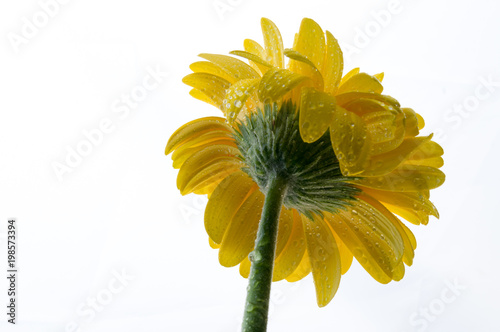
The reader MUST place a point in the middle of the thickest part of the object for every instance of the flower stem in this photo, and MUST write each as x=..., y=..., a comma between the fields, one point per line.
x=262, y=258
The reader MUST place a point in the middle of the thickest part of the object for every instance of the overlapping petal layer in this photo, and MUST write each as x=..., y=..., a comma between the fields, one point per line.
x=375, y=140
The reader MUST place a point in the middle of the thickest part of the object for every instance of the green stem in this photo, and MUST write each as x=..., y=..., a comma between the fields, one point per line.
x=262, y=258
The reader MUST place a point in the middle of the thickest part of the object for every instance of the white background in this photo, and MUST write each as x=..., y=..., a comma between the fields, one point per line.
x=118, y=210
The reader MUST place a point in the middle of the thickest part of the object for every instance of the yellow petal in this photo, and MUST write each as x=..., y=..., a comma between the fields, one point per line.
x=345, y=100
x=333, y=65
x=409, y=253
x=195, y=93
x=208, y=189
x=225, y=201
x=239, y=238
x=292, y=253
x=350, y=141
x=384, y=122
x=211, y=68
x=245, y=266
x=193, y=129
x=251, y=46
x=350, y=74
x=302, y=270
x=212, y=173
x=252, y=57
x=214, y=87
x=436, y=162
x=276, y=83
x=371, y=237
x=406, y=207
x=412, y=200
x=295, y=94
x=361, y=82
x=415, y=217
x=420, y=120
x=285, y=228
x=366, y=104
x=386, y=162
x=237, y=95
x=428, y=150
x=258, y=51
x=285, y=225
x=398, y=272
x=381, y=125
x=411, y=236
x=406, y=178
x=316, y=113
x=251, y=105
x=212, y=244
x=383, y=118
x=372, y=216
x=379, y=76
x=302, y=65
x=273, y=43
x=202, y=159
x=311, y=42
x=411, y=122
x=183, y=153
x=204, y=138
x=232, y=66
x=324, y=257
x=345, y=255
x=357, y=243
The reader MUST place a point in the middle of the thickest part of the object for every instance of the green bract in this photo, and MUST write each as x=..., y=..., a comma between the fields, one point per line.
x=270, y=144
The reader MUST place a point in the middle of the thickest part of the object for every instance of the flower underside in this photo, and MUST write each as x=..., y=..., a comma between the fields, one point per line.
x=270, y=144
x=351, y=160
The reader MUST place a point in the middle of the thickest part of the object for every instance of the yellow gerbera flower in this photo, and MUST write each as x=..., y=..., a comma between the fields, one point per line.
x=345, y=158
